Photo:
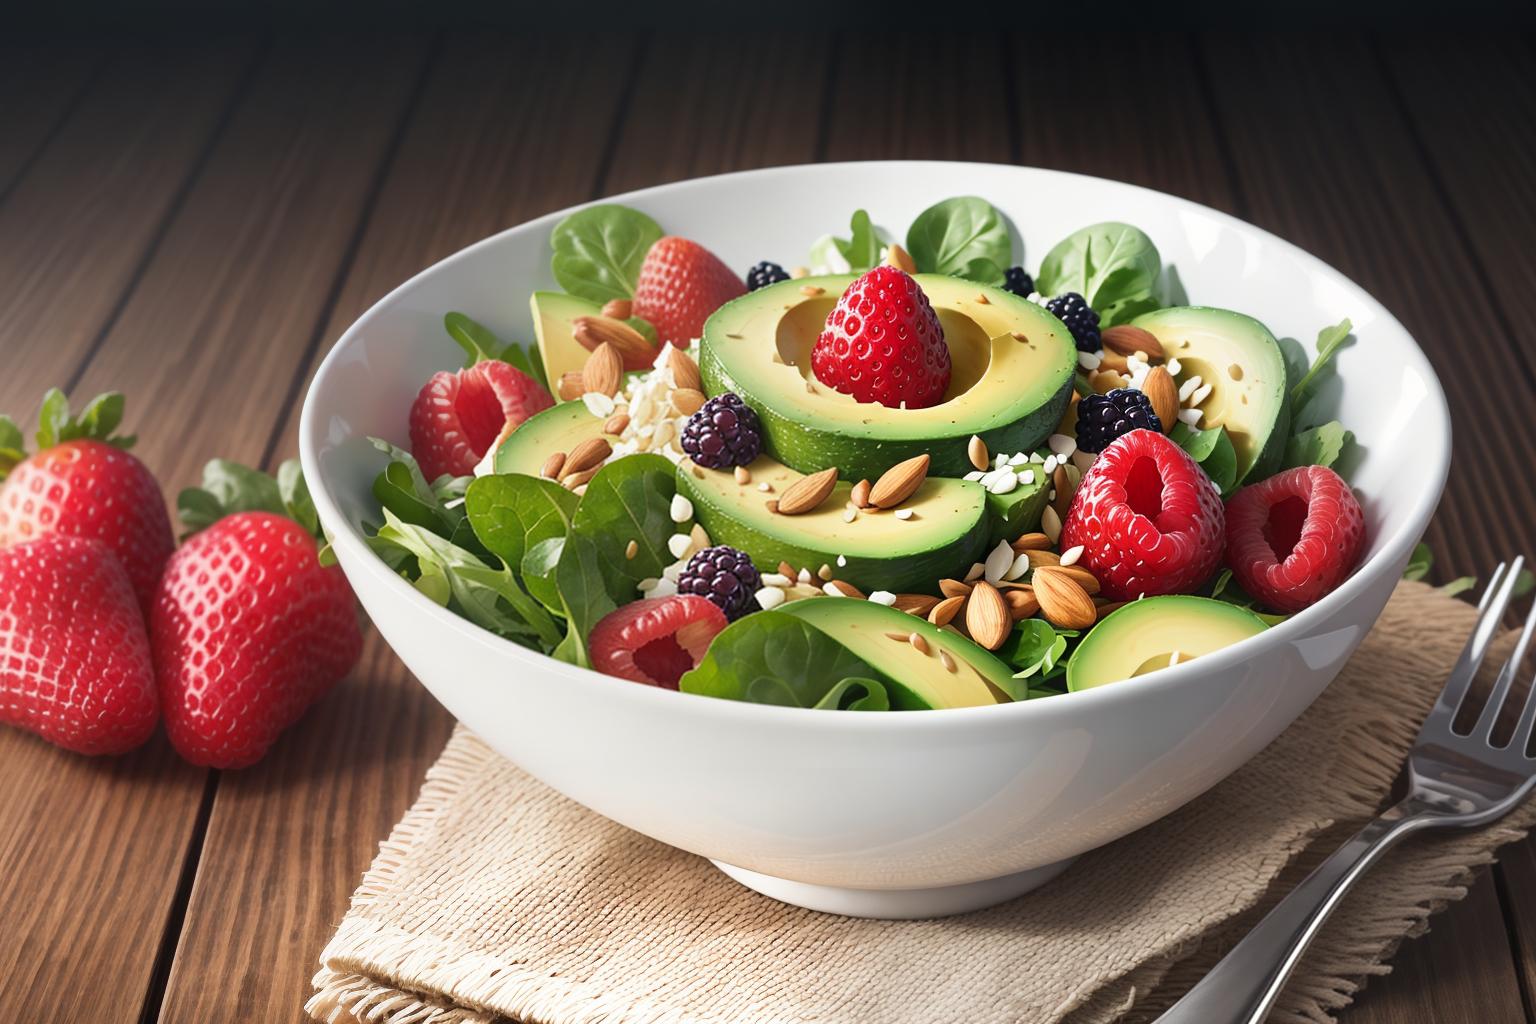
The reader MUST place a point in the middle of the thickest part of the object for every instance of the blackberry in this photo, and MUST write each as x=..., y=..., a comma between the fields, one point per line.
x=1103, y=418
x=724, y=432
x=765, y=274
x=723, y=576
x=1072, y=310
x=1017, y=281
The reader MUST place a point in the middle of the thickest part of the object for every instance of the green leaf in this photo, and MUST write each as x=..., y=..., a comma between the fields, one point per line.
x=1420, y=562
x=99, y=418
x=514, y=515
x=586, y=594
x=55, y=423
x=1213, y=450
x=863, y=250
x=536, y=367
x=403, y=490
x=1458, y=585
x=228, y=487
x=1525, y=582
x=478, y=343
x=1329, y=341
x=1296, y=362
x=1115, y=267
x=773, y=658
x=297, y=502
x=52, y=419
x=598, y=251
x=13, y=446
x=856, y=695
x=1317, y=446
x=1037, y=650
x=826, y=256
x=964, y=237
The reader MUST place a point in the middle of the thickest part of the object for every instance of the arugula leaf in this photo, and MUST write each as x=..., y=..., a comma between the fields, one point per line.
x=598, y=251
x=402, y=489
x=516, y=515
x=856, y=695
x=963, y=237
x=1114, y=267
x=773, y=658
x=1420, y=562
x=1317, y=446
x=1213, y=450
x=1329, y=341
x=1037, y=650
x=229, y=488
x=862, y=250
x=826, y=256
x=480, y=344
x=1459, y=585
x=1225, y=588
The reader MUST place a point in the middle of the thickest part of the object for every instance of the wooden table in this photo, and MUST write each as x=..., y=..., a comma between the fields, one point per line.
x=195, y=220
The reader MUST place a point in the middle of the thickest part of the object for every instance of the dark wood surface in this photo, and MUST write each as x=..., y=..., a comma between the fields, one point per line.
x=194, y=220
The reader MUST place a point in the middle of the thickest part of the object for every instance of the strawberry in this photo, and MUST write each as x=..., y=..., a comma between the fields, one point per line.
x=681, y=283
x=458, y=416
x=248, y=627
x=74, y=659
x=83, y=483
x=883, y=343
x=1291, y=539
x=1147, y=517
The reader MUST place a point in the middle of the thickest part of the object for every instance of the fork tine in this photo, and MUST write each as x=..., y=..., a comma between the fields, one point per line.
x=1490, y=610
x=1501, y=686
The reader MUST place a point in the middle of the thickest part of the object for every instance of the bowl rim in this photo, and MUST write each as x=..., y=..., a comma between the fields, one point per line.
x=1393, y=550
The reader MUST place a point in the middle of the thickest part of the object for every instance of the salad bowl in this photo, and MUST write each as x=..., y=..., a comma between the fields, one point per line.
x=889, y=815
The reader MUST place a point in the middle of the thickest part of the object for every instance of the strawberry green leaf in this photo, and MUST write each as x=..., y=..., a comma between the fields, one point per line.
x=52, y=419
x=96, y=422
x=13, y=447
x=296, y=499
x=230, y=488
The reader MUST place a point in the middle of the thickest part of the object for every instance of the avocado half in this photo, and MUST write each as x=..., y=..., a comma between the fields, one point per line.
x=1241, y=360
x=1142, y=637
x=914, y=680
x=1011, y=378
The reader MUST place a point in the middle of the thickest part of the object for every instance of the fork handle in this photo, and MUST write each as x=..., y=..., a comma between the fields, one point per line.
x=1243, y=987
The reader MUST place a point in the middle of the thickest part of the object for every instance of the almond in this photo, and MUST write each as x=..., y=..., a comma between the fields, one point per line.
x=588, y=454
x=685, y=372
x=572, y=481
x=570, y=387
x=915, y=604
x=898, y=483
x=687, y=400
x=941, y=613
x=1063, y=601
x=1084, y=578
x=987, y=617
x=899, y=258
x=846, y=589
x=977, y=452
x=619, y=309
x=860, y=494
x=604, y=370
x=1062, y=480
x=553, y=465
x=1127, y=340
x=807, y=493
x=785, y=569
x=1163, y=393
x=1111, y=606
x=954, y=588
x=1021, y=601
x=616, y=423
x=1044, y=559
x=1032, y=542
x=592, y=331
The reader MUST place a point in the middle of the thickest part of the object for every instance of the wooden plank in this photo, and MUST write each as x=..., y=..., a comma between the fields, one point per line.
x=1362, y=173
x=41, y=80
x=75, y=230
x=493, y=142
x=207, y=343
x=1517, y=870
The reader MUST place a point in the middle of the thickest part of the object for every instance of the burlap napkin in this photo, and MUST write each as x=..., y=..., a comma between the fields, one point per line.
x=497, y=899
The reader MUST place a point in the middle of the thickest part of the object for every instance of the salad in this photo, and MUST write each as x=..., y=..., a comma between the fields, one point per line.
x=906, y=475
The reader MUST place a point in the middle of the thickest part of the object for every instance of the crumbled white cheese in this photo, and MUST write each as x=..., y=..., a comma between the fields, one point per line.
x=681, y=510
x=884, y=597
x=769, y=597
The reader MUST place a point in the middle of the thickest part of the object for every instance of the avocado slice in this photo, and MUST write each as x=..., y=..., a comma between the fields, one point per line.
x=557, y=429
x=553, y=313
x=947, y=529
x=916, y=681
x=1240, y=359
x=1142, y=636
x=1010, y=392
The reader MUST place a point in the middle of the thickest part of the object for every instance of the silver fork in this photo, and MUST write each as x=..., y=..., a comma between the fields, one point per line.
x=1455, y=780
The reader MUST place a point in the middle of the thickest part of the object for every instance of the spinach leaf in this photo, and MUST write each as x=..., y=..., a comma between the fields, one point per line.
x=856, y=695
x=479, y=345
x=402, y=489
x=963, y=237
x=773, y=658
x=586, y=589
x=1318, y=446
x=1213, y=450
x=1115, y=267
x=1329, y=341
x=1225, y=588
x=513, y=515
x=862, y=251
x=598, y=251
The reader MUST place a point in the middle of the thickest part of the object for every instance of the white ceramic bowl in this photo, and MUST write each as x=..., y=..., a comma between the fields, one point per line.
x=917, y=813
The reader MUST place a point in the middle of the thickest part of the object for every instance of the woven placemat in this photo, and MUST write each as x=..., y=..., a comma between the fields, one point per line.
x=497, y=899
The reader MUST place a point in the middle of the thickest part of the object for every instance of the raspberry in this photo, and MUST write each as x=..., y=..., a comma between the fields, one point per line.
x=883, y=343
x=765, y=274
x=725, y=576
x=681, y=283
x=1148, y=518
x=1016, y=280
x=724, y=432
x=1291, y=539
x=1072, y=309
x=458, y=416
x=1102, y=418
x=656, y=640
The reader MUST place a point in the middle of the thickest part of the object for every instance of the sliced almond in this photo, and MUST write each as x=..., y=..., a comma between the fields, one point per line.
x=898, y=483
x=915, y=604
x=1050, y=525
x=1021, y=601
x=897, y=257
x=1032, y=542
x=603, y=371
x=619, y=309
x=1163, y=393
x=685, y=372
x=588, y=454
x=632, y=346
x=687, y=400
x=941, y=613
x=860, y=494
x=1063, y=601
x=553, y=465
x=954, y=588
x=570, y=387
x=807, y=493
x=976, y=450
x=1084, y=578
x=846, y=589
x=785, y=569
x=987, y=618
x=616, y=423
x=1128, y=340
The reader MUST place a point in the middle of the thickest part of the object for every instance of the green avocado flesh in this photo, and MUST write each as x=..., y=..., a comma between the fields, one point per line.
x=1018, y=511
x=558, y=429
x=915, y=681
x=945, y=534
x=1142, y=637
x=553, y=313
x=1010, y=392
x=1241, y=360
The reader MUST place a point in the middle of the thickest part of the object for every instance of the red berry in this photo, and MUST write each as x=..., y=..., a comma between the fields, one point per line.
x=883, y=343
x=248, y=629
x=91, y=489
x=458, y=416
x=74, y=658
x=655, y=640
x=681, y=284
x=1148, y=518
x=1291, y=539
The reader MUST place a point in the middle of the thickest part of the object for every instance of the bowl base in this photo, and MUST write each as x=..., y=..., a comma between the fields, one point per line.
x=897, y=904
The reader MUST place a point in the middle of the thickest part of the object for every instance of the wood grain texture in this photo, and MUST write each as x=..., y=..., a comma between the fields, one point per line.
x=41, y=80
